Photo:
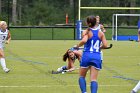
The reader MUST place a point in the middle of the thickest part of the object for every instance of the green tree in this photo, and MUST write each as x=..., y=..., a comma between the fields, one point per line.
x=14, y=12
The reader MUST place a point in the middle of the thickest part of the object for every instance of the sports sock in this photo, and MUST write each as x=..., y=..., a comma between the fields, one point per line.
x=82, y=84
x=93, y=87
x=137, y=87
x=3, y=64
x=64, y=67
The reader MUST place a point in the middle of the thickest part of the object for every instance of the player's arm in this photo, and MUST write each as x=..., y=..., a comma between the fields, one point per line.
x=84, y=38
x=8, y=38
x=103, y=29
x=78, y=53
x=70, y=66
x=104, y=41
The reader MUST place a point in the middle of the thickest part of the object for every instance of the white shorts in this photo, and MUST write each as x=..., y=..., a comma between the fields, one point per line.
x=101, y=55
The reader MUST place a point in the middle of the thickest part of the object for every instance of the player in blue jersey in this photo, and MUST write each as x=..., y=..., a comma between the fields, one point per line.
x=70, y=56
x=139, y=31
x=5, y=37
x=91, y=57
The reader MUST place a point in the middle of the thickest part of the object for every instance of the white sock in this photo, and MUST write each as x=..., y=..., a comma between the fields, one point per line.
x=3, y=64
x=137, y=87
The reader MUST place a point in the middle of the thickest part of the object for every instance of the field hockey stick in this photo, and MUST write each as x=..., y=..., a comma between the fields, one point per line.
x=110, y=46
x=70, y=70
x=77, y=48
x=58, y=72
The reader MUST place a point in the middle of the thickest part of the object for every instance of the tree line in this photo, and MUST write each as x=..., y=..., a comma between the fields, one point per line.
x=51, y=12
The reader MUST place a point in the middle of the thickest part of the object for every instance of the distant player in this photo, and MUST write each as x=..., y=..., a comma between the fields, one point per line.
x=139, y=31
x=99, y=25
x=70, y=56
x=91, y=57
x=5, y=37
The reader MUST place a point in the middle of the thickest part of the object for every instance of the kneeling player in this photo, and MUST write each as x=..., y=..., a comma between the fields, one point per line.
x=71, y=55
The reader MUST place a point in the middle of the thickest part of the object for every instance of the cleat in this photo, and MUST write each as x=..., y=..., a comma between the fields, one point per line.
x=6, y=70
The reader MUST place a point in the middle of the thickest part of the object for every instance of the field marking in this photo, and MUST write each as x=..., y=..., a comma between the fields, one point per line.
x=11, y=57
x=45, y=86
x=121, y=56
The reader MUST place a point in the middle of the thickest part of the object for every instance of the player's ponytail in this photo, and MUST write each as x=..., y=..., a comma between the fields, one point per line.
x=91, y=21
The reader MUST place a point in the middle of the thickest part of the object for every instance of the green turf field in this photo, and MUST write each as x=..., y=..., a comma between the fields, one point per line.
x=31, y=61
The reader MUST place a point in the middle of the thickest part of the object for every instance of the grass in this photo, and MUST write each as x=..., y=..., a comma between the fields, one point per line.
x=31, y=61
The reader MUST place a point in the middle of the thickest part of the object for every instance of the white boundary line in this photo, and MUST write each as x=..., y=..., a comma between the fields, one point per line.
x=44, y=86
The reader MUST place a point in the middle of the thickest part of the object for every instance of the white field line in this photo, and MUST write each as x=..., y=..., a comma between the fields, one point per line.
x=61, y=56
x=44, y=86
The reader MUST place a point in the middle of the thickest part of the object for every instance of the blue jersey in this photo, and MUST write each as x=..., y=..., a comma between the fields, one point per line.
x=91, y=53
x=93, y=44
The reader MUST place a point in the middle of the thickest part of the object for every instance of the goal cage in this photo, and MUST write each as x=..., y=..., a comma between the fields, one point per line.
x=124, y=33
x=115, y=28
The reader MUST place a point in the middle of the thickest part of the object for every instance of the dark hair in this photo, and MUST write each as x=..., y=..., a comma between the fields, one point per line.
x=66, y=55
x=91, y=21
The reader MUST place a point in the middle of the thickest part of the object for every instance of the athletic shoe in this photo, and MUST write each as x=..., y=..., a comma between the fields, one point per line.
x=133, y=91
x=59, y=69
x=6, y=70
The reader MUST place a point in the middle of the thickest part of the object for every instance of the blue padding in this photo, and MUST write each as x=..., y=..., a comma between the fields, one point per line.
x=78, y=29
x=123, y=37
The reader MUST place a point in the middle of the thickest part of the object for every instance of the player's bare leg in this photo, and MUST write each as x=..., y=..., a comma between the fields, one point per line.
x=2, y=61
